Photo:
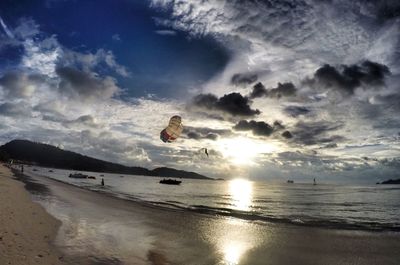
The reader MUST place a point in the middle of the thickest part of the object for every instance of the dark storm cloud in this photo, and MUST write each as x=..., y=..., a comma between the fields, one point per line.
x=278, y=126
x=14, y=110
x=287, y=135
x=197, y=136
x=257, y=127
x=259, y=91
x=85, y=85
x=285, y=89
x=199, y=133
x=347, y=78
x=331, y=145
x=233, y=103
x=282, y=90
x=296, y=111
x=18, y=84
x=316, y=132
x=243, y=79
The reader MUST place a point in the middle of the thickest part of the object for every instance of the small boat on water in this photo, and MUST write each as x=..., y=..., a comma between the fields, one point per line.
x=81, y=176
x=78, y=176
x=290, y=181
x=51, y=170
x=170, y=182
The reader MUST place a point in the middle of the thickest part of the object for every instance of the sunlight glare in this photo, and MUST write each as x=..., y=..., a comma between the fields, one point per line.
x=232, y=253
x=241, y=191
x=242, y=150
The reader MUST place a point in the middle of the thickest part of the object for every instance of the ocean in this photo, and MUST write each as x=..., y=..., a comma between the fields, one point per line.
x=373, y=207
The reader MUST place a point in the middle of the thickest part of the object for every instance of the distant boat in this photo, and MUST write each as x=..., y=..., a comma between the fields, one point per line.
x=170, y=182
x=34, y=169
x=51, y=170
x=78, y=176
x=101, y=175
x=290, y=181
x=91, y=177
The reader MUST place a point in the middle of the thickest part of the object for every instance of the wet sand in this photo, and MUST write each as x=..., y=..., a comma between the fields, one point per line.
x=99, y=229
x=26, y=229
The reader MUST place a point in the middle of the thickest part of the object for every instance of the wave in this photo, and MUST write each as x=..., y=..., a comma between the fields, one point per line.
x=253, y=215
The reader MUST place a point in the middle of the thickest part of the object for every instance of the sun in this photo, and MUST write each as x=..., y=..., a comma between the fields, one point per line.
x=242, y=150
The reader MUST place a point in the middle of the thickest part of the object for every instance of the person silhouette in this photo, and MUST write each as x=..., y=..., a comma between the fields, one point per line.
x=102, y=182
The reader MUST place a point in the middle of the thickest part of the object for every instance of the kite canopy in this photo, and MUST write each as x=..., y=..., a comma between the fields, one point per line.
x=173, y=130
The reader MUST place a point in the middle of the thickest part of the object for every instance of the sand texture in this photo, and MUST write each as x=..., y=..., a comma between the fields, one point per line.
x=26, y=229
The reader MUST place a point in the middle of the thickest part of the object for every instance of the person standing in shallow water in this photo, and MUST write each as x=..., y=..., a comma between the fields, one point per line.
x=102, y=182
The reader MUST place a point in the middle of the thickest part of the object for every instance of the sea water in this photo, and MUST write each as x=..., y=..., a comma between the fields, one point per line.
x=374, y=207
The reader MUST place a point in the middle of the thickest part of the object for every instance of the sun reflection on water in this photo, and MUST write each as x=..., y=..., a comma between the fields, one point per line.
x=241, y=191
x=232, y=253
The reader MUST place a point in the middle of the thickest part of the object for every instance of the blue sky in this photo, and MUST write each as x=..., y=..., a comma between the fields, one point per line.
x=275, y=90
x=161, y=61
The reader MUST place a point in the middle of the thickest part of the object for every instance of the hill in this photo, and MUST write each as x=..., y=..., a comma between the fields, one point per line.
x=50, y=156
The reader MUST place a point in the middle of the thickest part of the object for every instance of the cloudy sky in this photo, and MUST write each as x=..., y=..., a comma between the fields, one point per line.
x=274, y=89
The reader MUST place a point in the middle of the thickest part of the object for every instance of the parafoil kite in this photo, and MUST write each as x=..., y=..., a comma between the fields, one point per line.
x=173, y=130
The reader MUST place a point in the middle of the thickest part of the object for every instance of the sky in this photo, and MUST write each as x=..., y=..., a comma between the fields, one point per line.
x=275, y=90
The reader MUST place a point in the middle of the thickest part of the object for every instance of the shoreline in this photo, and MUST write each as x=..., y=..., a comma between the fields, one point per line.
x=27, y=230
x=95, y=230
x=98, y=229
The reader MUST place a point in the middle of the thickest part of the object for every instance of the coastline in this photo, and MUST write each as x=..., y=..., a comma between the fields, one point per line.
x=27, y=231
x=98, y=229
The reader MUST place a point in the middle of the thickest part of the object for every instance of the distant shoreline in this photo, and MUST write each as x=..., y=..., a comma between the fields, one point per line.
x=44, y=155
x=390, y=182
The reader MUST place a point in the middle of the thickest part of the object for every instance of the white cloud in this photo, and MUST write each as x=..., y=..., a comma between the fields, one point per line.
x=26, y=29
x=116, y=37
x=5, y=28
x=41, y=56
x=89, y=61
x=285, y=40
x=165, y=32
x=76, y=107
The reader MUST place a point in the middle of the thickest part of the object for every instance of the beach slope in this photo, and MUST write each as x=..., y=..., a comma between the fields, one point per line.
x=26, y=229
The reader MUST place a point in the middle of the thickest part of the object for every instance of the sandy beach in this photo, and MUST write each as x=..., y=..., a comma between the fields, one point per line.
x=100, y=229
x=26, y=229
